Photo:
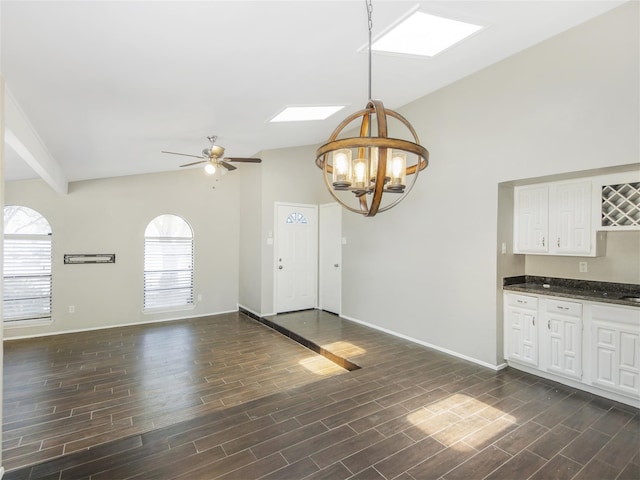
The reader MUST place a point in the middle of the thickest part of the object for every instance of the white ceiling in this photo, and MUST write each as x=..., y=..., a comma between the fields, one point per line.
x=107, y=85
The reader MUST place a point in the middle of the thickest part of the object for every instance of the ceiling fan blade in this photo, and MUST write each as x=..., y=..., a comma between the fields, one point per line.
x=183, y=154
x=245, y=160
x=226, y=165
x=194, y=163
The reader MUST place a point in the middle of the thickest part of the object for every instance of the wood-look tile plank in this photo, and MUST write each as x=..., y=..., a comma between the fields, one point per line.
x=523, y=465
x=558, y=468
x=550, y=443
x=294, y=471
x=376, y=452
x=442, y=462
x=479, y=465
x=407, y=458
x=585, y=446
x=521, y=437
x=346, y=447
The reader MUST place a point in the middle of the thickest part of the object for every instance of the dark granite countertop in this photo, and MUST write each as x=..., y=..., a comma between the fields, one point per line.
x=606, y=292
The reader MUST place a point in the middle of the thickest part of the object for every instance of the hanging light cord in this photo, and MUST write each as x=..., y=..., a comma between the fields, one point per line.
x=370, y=25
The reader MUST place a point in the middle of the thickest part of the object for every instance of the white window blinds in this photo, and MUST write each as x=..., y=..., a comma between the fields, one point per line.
x=168, y=263
x=26, y=265
x=27, y=277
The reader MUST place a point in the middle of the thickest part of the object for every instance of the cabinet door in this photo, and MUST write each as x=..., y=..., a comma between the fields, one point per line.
x=615, y=349
x=531, y=220
x=572, y=218
x=564, y=343
x=616, y=356
x=522, y=335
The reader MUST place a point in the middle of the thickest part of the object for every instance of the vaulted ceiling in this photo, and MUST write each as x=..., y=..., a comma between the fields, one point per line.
x=98, y=88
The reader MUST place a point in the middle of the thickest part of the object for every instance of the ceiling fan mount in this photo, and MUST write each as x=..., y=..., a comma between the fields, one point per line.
x=212, y=157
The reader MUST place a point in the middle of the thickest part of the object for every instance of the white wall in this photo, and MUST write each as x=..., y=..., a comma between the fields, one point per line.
x=110, y=216
x=427, y=268
x=250, y=267
x=289, y=175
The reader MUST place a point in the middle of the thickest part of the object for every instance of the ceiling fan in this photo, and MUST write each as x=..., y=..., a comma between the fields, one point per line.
x=212, y=158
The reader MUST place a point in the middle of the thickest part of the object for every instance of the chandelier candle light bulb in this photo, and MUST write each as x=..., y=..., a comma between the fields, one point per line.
x=341, y=172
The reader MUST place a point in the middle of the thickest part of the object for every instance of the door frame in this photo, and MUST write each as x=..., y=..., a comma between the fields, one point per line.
x=322, y=207
x=275, y=249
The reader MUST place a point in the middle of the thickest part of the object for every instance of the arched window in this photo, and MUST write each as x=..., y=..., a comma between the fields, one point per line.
x=168, y=263
x=27, y=265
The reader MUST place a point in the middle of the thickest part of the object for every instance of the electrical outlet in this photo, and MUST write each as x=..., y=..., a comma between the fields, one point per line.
x=582, y=266
x=72, y=309
x=504, y=248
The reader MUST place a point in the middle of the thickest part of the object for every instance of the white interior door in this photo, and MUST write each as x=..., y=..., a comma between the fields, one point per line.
x=330, y=259
x=296, y=261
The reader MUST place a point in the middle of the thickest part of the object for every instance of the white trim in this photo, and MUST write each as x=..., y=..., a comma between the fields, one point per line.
x=39, y=322
x=429, y=345
x=1, y=472
x=161, y=320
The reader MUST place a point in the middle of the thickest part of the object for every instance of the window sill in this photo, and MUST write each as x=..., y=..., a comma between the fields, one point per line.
x=178, y=308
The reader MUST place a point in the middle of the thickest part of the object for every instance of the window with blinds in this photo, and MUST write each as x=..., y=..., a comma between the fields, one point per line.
x=26, y=266
x=168, y=263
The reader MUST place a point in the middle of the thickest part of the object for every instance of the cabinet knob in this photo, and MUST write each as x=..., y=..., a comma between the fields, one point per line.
x=280, y=267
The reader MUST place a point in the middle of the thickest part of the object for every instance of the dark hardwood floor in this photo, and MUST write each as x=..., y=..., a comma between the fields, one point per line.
x=228, y=397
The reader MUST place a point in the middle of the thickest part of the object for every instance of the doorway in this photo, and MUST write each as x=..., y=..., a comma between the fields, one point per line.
x=296, y=257
x=330, y=258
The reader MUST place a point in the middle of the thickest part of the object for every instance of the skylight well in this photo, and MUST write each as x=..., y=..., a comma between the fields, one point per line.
x=299, y=114
x=424, y=35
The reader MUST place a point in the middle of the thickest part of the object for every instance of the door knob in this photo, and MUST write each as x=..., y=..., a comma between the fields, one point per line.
x=336, y=265
x=280, y=267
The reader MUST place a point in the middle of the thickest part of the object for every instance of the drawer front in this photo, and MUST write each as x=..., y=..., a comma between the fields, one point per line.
x=565, y=308
x=522, y=301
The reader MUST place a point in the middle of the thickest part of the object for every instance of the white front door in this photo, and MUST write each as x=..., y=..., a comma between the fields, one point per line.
x=330, y=261
x=296, y=260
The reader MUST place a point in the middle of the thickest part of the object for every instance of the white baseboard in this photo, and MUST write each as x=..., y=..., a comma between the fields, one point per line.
x=425, y=344
x=105, y=327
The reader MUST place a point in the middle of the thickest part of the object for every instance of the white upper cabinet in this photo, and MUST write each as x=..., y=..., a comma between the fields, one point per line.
x=556, y=219
x=531, y=225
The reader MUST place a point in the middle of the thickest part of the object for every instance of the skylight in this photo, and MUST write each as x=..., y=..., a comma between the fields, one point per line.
x=299, y=114
x=423, y=34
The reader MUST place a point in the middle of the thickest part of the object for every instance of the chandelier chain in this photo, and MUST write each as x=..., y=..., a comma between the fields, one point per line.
x=370, y=26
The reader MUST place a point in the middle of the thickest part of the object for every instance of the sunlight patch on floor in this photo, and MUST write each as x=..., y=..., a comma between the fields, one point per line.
x=320, y=366
x=445, y=421
x=344, y=349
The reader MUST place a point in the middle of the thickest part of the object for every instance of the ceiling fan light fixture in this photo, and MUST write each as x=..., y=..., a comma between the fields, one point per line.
x=210, y=168
x=371, y=165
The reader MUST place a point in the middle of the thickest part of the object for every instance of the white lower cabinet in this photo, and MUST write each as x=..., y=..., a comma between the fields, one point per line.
x=563, y=338
x=521, y=330
x=590, y=345
x=615, y=350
